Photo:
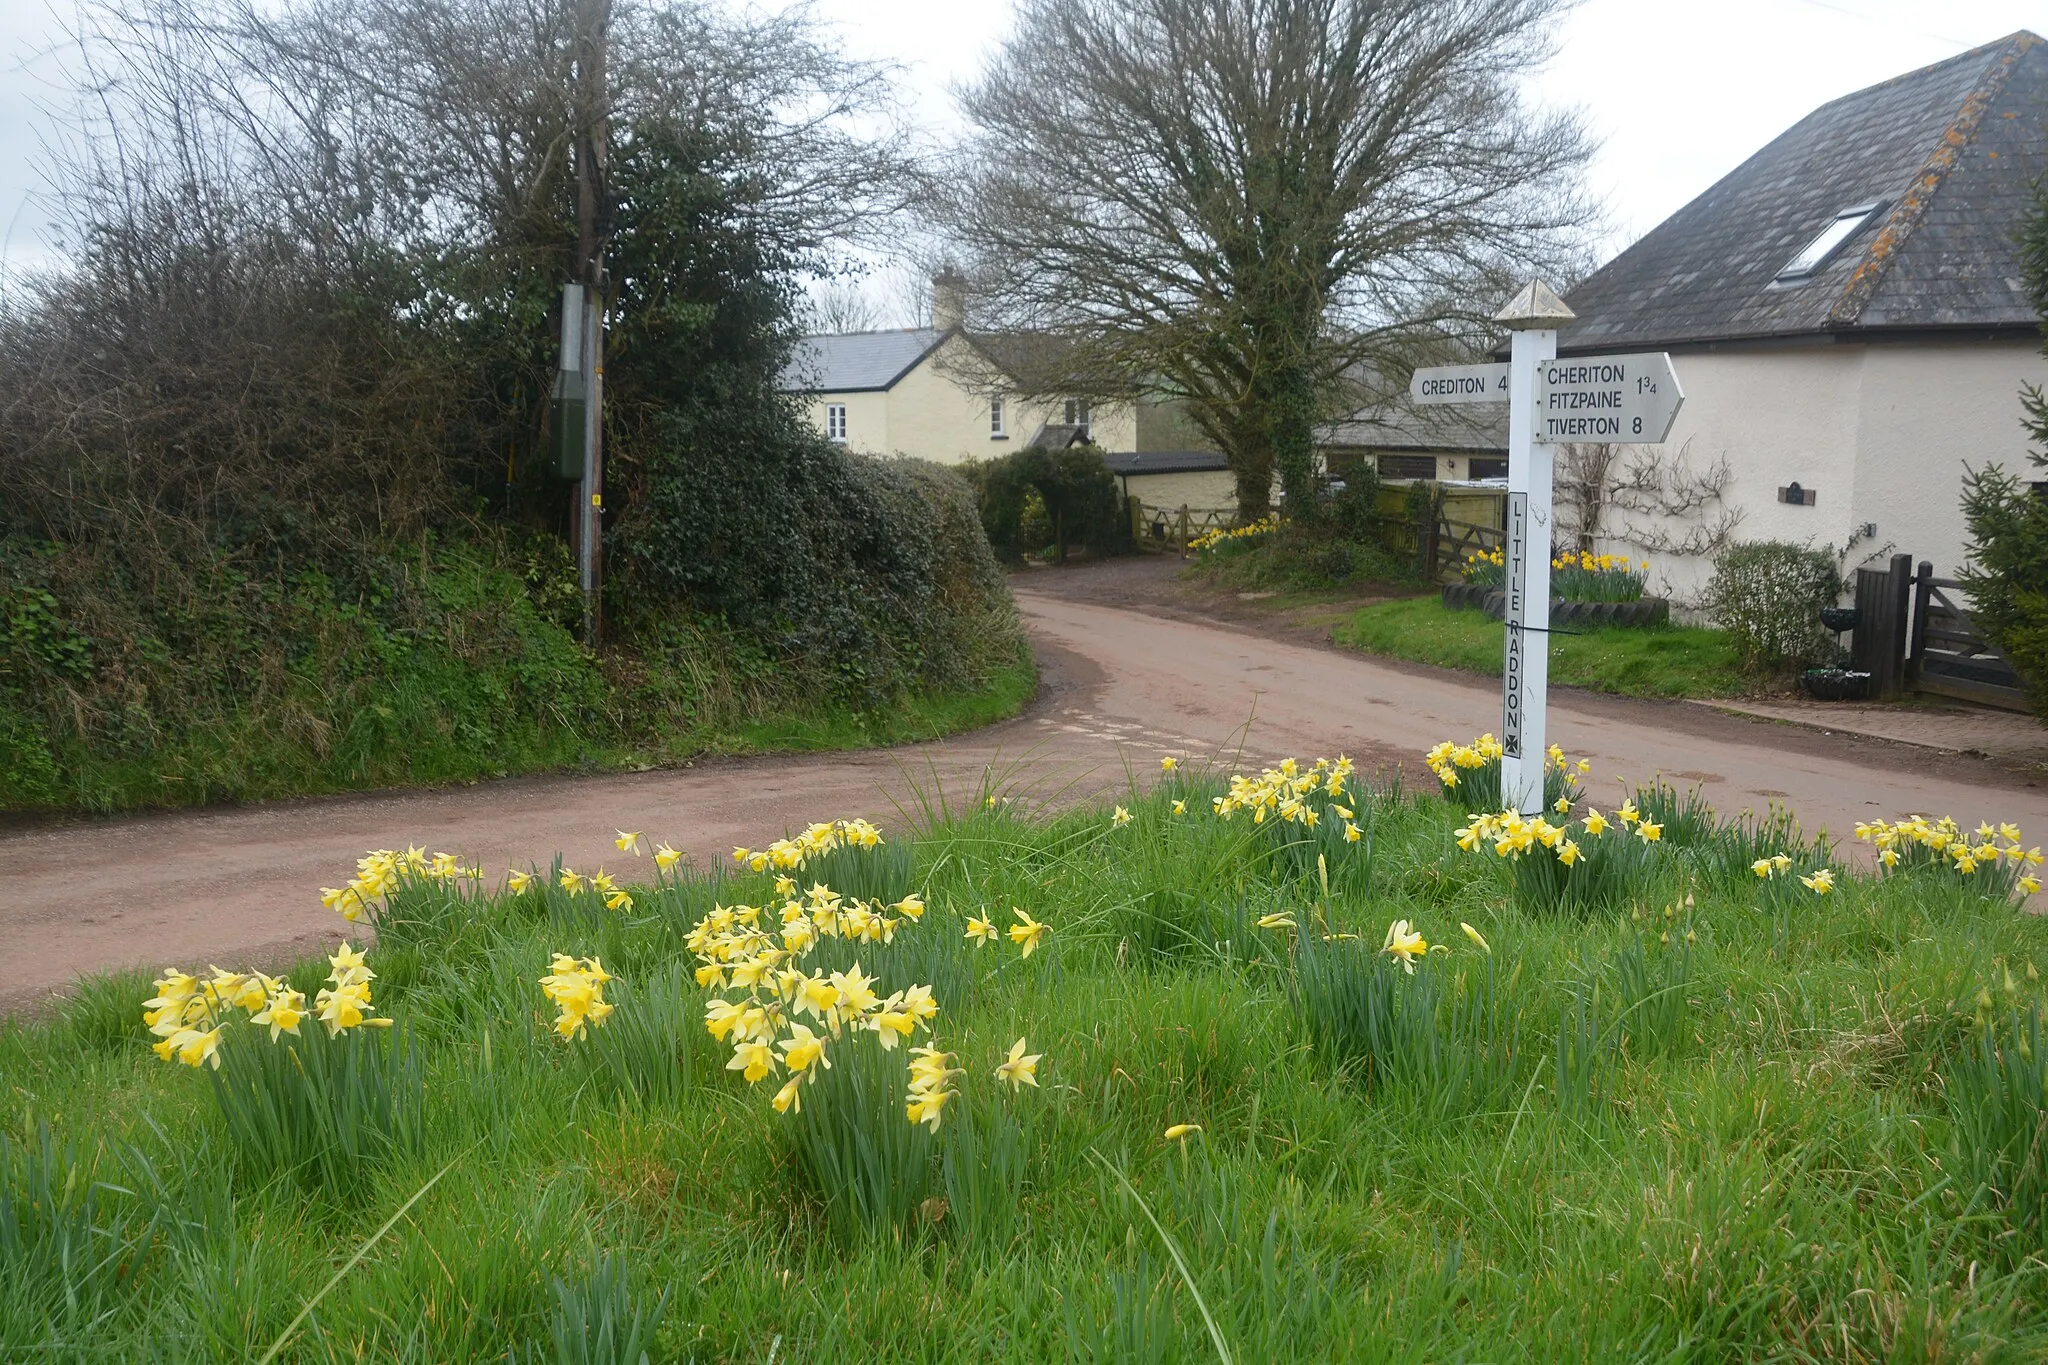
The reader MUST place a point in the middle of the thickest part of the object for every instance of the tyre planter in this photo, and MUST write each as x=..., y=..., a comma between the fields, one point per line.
x=1835, y=684
x=1466, y=596
x=1644, y=612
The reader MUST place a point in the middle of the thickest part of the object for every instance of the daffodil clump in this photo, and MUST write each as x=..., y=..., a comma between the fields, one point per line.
x=576, y=988
x=189, y=1015
x=1779, y=867
x=1293, y=794
x=1990, y=857
x=1485, y=568
x=1588, y=861
x=792, y=855
x=772, y=1011
x=1251, y=530
x=1470, y=773
x=1580, y=576
x=382, y=873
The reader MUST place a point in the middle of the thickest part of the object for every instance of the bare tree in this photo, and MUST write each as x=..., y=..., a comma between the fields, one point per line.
x=1243, y=201
x=835, y=307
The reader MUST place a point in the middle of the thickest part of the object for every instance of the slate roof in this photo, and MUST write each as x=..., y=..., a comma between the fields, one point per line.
x=1479, y=429
x=1951, y=150
x=855, y=362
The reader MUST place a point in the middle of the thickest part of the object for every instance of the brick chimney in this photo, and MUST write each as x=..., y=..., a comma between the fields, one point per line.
x=949, y=299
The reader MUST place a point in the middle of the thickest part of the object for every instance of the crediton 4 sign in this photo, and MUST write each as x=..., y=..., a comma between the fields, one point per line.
x=1612, y=399
x=1460, y=384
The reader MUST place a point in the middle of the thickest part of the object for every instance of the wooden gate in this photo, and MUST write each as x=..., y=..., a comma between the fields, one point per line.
x=1950, y=656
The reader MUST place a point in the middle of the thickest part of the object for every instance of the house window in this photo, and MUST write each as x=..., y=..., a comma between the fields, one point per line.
x=1407, y=466
x=1488, y=467
x=1822, y=248
x=1077, y=416
x=835, y=422
x=996, y=430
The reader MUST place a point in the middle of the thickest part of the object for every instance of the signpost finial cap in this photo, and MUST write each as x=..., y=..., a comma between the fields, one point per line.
x=1537, y=306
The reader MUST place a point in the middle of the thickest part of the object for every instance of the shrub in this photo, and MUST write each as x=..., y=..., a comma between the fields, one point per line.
x=1289, y=556
x=2007, y=573
x=1072, y=491
x=1768, y=596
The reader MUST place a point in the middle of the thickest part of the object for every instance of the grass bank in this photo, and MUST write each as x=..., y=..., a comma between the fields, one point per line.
x=455, y=665
x=1698, y=1116
x=1671, y=661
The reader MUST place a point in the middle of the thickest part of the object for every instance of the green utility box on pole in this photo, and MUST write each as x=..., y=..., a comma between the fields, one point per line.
x=568, y=423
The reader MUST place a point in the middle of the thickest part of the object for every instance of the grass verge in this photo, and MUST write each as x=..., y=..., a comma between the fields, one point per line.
x=1669, y=661
x=1710, y=1122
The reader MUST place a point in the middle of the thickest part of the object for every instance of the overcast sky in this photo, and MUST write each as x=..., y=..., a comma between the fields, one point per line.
x=1679, y=91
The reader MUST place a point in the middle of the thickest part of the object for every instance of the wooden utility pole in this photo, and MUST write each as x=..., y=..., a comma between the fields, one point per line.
x=593, y=31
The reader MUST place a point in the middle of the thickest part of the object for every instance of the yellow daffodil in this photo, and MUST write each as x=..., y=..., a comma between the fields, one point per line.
x=927, y=1108
x=1278, y=920
x=1595, y=823
x=2029, y=884
x=1567, y=852
x=517, y=882
x=1026, y=932
x=1404, y=944
x=1168, y=764
x=1762, y=867
x=982, y=932
x=1474, y=935
x=754, y=1060
x=1563, y=805
x=571, y=882
x=1820, y=883
x=803, y=1049
x=789, y=1097
x=1628, y=814
x=1649, y=831
x=1018, y=1069
x=283, y=1014
x=1181, y=1130
x=1180, y=808
x=628, y=842
x=665, y=858
x=1121, y=818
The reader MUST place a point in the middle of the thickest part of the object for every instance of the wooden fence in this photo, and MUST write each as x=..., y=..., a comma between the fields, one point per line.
x=1457, y=523
x=1914, y=634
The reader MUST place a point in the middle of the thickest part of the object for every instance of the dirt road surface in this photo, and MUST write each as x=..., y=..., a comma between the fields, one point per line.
x=1124, y=684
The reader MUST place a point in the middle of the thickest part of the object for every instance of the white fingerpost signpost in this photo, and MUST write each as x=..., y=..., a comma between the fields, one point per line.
x=1620, y=399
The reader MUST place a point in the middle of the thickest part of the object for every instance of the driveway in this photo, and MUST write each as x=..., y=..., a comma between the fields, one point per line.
x=1129, y=676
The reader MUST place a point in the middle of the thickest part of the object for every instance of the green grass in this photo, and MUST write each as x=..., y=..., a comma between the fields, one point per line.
x=1668, y=661
x=1716, y=1131
x=916, y=718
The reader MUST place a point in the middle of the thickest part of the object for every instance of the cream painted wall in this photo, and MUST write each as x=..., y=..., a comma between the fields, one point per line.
x=932, y=415
x=1827, y=418
x=1926, y=412
x=1199, y=490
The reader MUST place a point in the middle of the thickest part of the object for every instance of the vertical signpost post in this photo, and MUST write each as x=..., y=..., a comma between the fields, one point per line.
x=1533, y=317
x=1630, y=399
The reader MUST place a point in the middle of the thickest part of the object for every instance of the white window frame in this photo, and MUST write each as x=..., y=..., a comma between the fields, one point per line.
x=1815, y=255
x=1080, y=413
x=835, y=423
x=998, y=420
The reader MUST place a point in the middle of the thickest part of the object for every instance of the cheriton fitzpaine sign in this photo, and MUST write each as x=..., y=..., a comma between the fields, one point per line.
x=1597, y=400
x=1607, y=399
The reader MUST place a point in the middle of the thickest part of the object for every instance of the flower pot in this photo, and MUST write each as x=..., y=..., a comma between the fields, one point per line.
x=1835, y=684
x=1838, y=619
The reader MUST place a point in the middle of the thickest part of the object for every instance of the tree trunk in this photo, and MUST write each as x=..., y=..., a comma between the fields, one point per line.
x=1290, y=416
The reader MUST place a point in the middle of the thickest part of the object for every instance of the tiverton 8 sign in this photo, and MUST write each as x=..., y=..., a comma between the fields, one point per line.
x=1612, y=399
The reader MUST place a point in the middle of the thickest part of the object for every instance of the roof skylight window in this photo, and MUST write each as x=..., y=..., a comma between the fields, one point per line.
x=1817, y=252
